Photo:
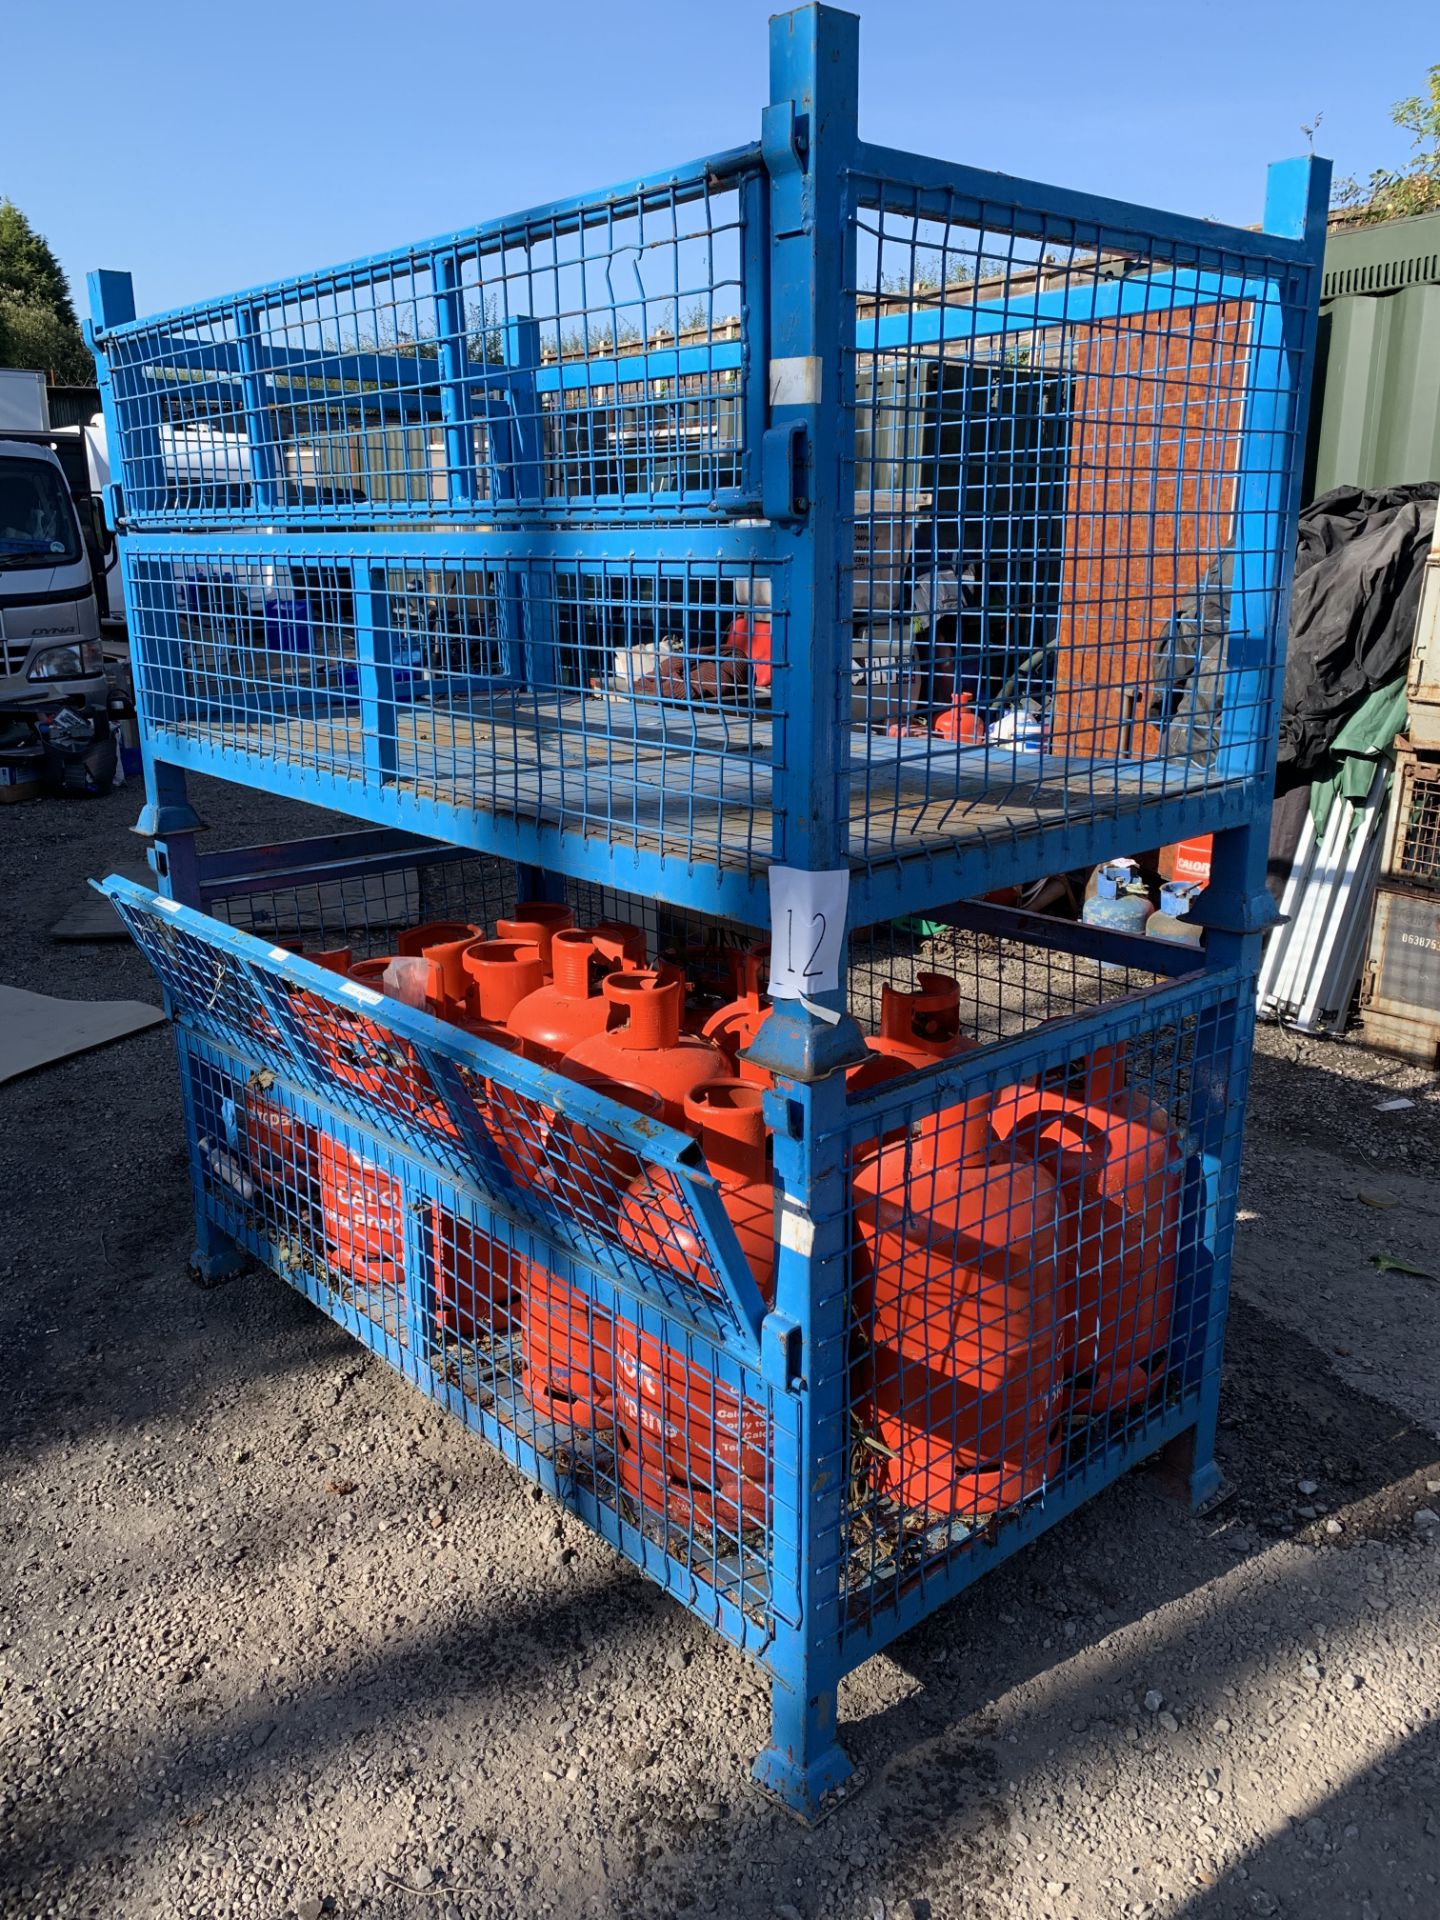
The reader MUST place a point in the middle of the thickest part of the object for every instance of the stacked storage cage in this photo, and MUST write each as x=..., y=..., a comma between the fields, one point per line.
x=779, y=549
x=1400, y=985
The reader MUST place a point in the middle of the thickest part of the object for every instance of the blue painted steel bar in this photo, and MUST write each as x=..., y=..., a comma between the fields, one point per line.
x=367, y=383
x=262, y=442
x=302, y=373
x=460, y=479
x=419, y=549
x=332, y=856
x=810, y=128
x=521, y=473
x=884, y=893
x=945, y=190
x=375, y=667
x=1038, y=930
x=559, y=217
x=1277, y=406
x=656, y=363
x=1146, y=293
x=112, y=304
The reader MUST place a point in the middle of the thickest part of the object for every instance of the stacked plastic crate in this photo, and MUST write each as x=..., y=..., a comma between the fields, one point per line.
x=770, y=553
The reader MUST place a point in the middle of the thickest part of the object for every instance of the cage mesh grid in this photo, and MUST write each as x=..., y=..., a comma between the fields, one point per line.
x=634, y=1406
x=490, y=1226
x=1004, y=983
x=1029, y=1286
x=1060, y=607
x=365, y=911
x=1416, y=858
x=582, y=359
x=1056, y=572
x=623, y=697
x=585, y=1327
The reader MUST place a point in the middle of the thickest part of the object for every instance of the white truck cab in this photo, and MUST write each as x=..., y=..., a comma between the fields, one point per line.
x=50, y=651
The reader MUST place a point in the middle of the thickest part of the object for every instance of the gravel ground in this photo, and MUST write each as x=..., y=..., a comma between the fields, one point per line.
x=229, y=1686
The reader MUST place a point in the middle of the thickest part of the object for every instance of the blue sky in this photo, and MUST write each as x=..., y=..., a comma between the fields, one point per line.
x=207, y=148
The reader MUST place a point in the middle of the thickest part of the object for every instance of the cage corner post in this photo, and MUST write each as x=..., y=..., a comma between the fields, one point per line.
x=215, y=1256
x=1236, y=907
x=804, y=1354
x=809, y=138
x=167, y=818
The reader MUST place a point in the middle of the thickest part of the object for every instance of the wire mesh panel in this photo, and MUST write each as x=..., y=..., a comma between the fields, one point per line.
x=622, y=697
x=1032, y=1299
x=653, y=1431
x=363, y=911
x=589, y=357
x=1414, y=857
x=558, y=1268
x=556, y=1152
x=1071, y=450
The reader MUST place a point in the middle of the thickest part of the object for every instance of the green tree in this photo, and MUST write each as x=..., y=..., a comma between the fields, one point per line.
x=38, y=327
x=1414, y=188
x=36, y=336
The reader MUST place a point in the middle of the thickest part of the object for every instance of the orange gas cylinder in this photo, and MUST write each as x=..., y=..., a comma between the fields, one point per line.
x=362, y=1215
x=567, y=1342
x=655, y=1218
x=1120, y=1164
x=535, y=923
x=750, y=640
x=736, y=1024
x=960, y=722
x=280, y=1149
x=315, y=1014
x=441, y=944
x=642, y=1046
x=518, y=1125
x=371, y=973
x=477, y=1280
x=366, y=1053
x=570, y=1007
x=687, y=1444
x=917, y=1028
x=957, y=1290
x=501, y=973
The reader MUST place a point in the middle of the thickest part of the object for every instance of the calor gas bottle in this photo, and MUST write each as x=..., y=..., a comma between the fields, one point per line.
x=1120, y=1166
x=688, y=1444
x=958, y=1306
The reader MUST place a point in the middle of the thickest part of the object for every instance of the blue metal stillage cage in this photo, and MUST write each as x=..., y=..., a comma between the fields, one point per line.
x=810, y=546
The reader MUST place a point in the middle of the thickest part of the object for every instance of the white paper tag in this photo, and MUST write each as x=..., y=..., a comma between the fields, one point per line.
x=795, y=381
x=167, y=906
x=807, y=930
x=365, y=995
x=280, y=953
x=797, y=1230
